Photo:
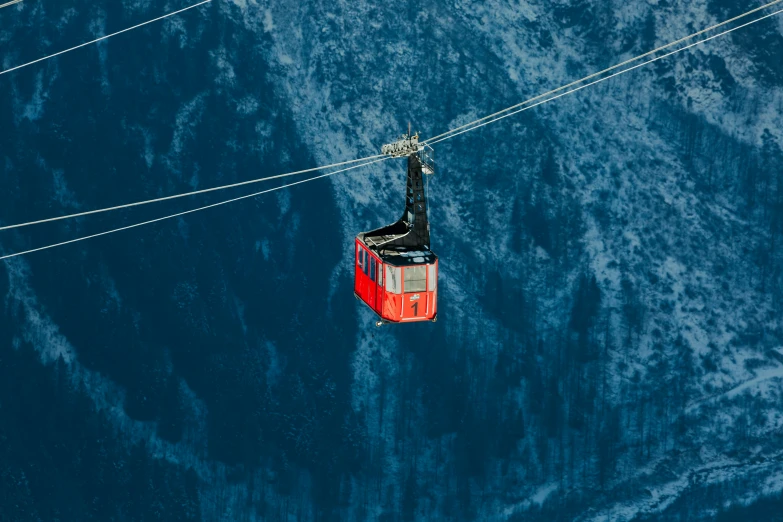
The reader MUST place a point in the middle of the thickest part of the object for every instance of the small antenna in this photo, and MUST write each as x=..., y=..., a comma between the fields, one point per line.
x=409, y=128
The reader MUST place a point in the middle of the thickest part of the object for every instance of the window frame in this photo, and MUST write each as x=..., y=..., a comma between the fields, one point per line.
x=392, y=281
x=419, y=284
x=432, y=277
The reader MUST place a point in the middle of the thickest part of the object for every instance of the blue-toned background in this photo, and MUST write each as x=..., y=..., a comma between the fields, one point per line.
x=610, y=348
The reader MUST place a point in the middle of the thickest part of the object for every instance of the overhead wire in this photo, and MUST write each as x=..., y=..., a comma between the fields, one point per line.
x=104, y=37
x=178, y=214
x=473, y=124
x=185, y=194
x=604, y=78
x=8, y=4
x=486, y=120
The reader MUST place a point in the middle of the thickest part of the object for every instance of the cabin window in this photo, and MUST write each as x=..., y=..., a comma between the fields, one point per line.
x=432, y=278
x=393, y=283
x=359, y=252
x=365, y=262
x=416, y=279
x=380, y=274
x=372, y=268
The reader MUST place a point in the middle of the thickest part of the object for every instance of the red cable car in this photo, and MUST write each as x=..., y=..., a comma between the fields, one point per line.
x=396, y=272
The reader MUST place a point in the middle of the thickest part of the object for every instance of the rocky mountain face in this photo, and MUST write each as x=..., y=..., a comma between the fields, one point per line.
x=609, y=343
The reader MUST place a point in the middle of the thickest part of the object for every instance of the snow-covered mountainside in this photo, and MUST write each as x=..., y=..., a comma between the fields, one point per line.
x=609, y=343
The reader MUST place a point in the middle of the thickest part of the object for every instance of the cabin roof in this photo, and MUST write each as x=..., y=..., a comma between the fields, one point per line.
x=397, y=255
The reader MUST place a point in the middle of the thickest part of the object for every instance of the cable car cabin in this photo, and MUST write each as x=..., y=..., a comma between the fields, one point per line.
x=400, y=286
x=396, y=273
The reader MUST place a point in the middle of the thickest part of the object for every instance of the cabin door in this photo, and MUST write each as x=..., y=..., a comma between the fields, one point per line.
x=363, y=285
x=372, y=285
x=380, y=291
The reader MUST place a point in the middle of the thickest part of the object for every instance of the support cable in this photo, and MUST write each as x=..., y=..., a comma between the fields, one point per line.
x=184, y=195
x=8, y=4
x=510, y=111
x=105, y=37
x=454, y=132
x=178, y=214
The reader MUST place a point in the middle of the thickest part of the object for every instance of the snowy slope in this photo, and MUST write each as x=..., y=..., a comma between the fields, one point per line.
x=604, y=355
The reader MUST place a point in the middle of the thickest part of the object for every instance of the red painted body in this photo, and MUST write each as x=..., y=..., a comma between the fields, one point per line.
x=381, y=285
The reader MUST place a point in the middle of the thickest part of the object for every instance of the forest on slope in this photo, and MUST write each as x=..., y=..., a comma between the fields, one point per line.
x=612, y=350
